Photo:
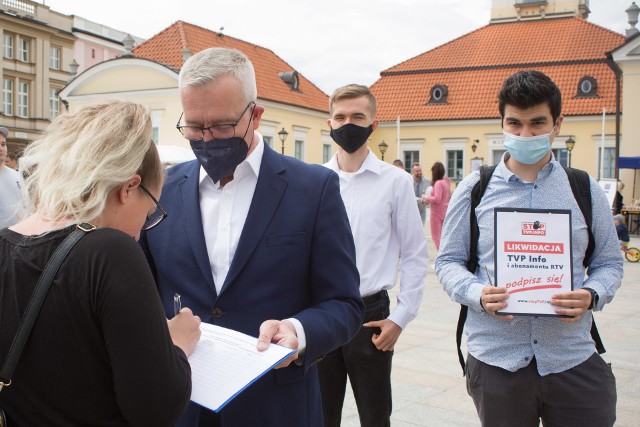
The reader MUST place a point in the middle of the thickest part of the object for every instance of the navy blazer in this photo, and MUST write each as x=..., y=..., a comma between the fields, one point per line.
x=295, y=258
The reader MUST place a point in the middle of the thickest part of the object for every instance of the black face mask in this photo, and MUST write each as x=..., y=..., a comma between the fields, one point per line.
x=351, y=137
x=220, y=157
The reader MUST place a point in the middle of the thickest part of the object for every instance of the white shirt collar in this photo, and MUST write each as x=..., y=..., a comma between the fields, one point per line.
x=371, y=163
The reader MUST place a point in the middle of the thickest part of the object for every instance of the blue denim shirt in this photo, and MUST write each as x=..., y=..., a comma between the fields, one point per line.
x=556, y=345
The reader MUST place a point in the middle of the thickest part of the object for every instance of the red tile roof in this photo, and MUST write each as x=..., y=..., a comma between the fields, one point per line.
x=474, y=66
x=166, y=47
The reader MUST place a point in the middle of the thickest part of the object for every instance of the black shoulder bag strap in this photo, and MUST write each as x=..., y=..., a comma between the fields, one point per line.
x=472, y=263
x=36, y=301
x=581, y=188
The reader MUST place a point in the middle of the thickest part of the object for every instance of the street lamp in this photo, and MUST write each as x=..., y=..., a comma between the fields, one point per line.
x=383, y=148
x=283, y=136
x=570, y=142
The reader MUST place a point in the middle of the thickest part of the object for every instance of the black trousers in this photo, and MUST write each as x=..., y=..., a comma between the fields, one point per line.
x=369, y=371
x=583, y=396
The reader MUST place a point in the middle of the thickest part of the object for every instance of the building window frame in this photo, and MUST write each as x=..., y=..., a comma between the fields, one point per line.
x=7, y=96
x=609, y=169
x=22, y=109
x=409, y=149
x=454, y=156
x=327, y=146
x=299, y=144
x=54, y=103
x=55, y=57
x=7, y=45
x=23, y=49
x=299, y=149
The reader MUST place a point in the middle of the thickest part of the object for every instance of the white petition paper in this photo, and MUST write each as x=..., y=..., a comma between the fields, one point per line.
x=225, y=362
x=532, y=258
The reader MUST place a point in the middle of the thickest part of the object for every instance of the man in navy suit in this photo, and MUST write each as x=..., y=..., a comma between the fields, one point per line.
x=256, y=242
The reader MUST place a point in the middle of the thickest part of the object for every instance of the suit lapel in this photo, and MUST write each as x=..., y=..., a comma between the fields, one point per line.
x=190, y=215
x=269, y=190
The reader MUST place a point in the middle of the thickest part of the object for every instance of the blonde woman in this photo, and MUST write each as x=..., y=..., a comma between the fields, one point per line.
x=101, y=351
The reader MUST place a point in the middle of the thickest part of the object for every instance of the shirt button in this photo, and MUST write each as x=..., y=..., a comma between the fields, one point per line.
x=535, y=341
x=217, y=312
x=228, y=192
x=526, y=359
x=535, y=186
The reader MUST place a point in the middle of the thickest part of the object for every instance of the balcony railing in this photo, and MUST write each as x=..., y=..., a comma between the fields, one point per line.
x=22, y=6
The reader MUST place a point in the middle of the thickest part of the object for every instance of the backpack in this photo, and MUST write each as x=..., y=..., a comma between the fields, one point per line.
x=581, y=189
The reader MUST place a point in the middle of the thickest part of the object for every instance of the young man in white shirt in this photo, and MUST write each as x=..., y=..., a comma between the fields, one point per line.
x=388, y=232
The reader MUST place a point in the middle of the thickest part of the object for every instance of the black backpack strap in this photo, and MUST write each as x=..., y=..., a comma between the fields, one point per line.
x=581, y=189
x=474, y=234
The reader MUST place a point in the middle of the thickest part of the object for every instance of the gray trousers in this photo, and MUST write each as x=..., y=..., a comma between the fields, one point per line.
x=583, y=396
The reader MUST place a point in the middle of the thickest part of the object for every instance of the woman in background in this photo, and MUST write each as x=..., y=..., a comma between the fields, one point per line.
x=101, y=352
x=438, y=201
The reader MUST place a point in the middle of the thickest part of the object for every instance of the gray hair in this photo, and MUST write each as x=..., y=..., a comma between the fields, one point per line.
x=619, y=218
x=210, y=64
x=77, y=162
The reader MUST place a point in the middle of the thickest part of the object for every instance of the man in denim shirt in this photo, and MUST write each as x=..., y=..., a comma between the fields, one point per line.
x=525, y=368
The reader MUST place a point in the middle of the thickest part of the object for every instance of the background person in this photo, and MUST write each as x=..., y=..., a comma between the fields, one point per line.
x=515, y=372
x=438, y=201
x=388, y=234
x=101, y=351
x=420, y=185
x=10, y=183
x=621, y=230
x=11, y=160
x=248, y=242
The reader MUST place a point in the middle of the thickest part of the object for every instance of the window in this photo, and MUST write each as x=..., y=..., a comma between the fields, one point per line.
x=23, y=49
x=497, y=155
x=156, y=121
x=326, y=153
x=54, y=103
x=8, y=46
x=411, y=157
x=455, y=164
x=587, y=88
x=299, y=153
x=561, y=155
x=268, y=140
x=23, y=99
x=291, y=79
x=54, y=58
x=439, y=94
x=609, y=169
x=7, y=97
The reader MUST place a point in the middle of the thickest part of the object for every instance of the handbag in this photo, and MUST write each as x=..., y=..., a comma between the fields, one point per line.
x=35, y=304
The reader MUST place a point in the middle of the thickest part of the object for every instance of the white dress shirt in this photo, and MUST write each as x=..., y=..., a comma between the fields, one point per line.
x=224, y=211
x=387, y=230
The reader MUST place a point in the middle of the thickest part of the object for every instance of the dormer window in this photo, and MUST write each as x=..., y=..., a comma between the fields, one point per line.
x=587, y=88
x=438, y=94
x=290, y=78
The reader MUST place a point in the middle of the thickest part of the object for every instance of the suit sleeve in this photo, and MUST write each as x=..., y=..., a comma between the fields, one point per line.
x=336, y=311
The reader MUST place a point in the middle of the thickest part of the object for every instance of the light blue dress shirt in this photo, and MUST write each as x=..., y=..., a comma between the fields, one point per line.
x=556, y=345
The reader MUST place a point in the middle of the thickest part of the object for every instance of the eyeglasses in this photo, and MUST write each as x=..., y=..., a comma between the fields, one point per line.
x=221, y=131
x=157, y=216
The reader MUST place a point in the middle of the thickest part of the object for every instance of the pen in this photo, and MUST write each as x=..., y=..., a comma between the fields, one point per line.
x=485, y=269
x=177, y=304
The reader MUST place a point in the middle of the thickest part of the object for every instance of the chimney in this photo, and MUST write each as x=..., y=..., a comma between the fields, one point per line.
x=632, y=13
x=128, y=42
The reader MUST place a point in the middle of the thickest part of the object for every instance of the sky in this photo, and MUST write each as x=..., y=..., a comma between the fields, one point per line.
x=331, y=43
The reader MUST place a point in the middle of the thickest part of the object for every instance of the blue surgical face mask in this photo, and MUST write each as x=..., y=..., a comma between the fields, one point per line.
x=528, y=149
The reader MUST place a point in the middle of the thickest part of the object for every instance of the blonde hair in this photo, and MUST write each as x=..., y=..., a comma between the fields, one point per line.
x=353, y=91
x=211, y=64
x=83, y=156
